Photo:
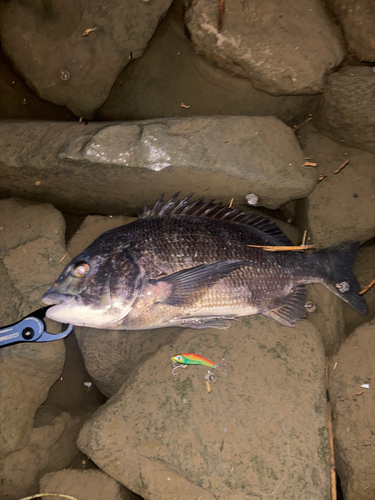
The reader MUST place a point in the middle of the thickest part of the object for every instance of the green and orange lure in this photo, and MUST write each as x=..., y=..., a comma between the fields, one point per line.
x=189, y=358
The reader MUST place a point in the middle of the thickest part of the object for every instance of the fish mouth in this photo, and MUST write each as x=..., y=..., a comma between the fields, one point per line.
x=55, y=299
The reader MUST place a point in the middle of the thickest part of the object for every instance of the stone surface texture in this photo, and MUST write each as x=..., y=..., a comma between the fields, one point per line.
x=217, y=157
x=334, y=210
x=84, y=484
x=31, y=245
x=357, y=18
x=249, y=436
x=353, y=409
x=45, y=43
x=268, y=42
x=347, y=109
x=52, y=446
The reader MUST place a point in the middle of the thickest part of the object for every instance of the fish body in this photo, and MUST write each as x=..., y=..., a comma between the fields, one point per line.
x=189, y=358
x=188, y=264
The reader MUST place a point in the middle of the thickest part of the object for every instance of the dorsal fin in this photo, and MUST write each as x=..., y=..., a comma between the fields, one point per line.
x=211, y=210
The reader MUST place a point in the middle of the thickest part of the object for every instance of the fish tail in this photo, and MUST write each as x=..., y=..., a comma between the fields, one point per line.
x=337, y=262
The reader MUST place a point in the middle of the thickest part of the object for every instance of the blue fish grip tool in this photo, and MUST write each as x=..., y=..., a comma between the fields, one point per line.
x=30, y=329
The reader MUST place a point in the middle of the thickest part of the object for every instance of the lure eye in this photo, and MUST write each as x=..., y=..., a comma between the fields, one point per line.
x=179, y=357
x=80, y=269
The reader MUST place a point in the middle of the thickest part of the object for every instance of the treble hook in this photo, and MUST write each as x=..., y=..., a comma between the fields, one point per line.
x=177, y=366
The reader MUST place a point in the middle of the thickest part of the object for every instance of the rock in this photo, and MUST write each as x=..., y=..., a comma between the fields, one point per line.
x=270, y=43
x=342, y=206
x=124, y=166
x=364, y=269
x=353, y=409
x=52, y=446
x=250, y=435
x=170, y=73
x=62, y=64
x=85, y=485
x=347, y=109
x=357, y=18
x=31, y=245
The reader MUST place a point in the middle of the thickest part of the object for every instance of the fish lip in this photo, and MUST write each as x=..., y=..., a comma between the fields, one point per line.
x=54, y=298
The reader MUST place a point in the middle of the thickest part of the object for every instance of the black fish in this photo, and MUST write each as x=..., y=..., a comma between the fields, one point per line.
x=187, y=264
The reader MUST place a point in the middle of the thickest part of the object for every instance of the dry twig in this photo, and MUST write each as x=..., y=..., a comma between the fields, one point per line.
x=367, y=287
x=343, y=165
x=331, y=440
x=297, y=248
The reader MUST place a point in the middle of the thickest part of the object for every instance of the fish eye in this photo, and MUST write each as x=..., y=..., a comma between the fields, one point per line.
x=80, y=269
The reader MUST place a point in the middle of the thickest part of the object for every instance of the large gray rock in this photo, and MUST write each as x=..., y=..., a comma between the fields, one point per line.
x=282, y=47
x=52, y=446
x=342, y=206
x=31, y=246
x=353, y=413
x=347, y=109
x=170, y=73
x=262, y=428
x=47, y=46
x=121, y=167
x=357, y=18
x=85, y=485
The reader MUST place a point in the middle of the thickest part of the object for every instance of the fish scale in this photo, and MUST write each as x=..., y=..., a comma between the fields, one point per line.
x=188, y=264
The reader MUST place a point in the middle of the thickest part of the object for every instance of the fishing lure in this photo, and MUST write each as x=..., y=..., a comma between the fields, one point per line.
x=189, y=358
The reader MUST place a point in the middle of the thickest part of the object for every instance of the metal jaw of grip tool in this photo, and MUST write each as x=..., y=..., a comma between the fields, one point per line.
x=30, y=329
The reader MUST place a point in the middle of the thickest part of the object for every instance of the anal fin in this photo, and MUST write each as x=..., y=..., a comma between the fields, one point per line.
x=291, y=309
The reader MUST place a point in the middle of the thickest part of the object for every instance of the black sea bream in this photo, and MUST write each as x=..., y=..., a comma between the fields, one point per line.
x=187, y=264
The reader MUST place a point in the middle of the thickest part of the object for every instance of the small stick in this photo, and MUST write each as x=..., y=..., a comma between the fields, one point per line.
x=310, y=164
x=367, y=287
x=304, y=238
x=321, y=177
x=341, y=167
x=231, y=203
x=296, y=127
x=63, y=257
x=208, y=387
x=89, y=30
x=184, y=106
x=205, y=189
x=222, y=445
x=335, y=366
x=331, y=441
x=298, y=248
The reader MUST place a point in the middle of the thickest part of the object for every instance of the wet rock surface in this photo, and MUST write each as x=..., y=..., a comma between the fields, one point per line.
x=268, y=43
x=31, y=245
x=51, y=446
x=227, y=156
x=85, y=485
x=65, y=66
x=334, y=211
x=347, y=108
x=357, y=18
x=353, y=409
x=162, y=432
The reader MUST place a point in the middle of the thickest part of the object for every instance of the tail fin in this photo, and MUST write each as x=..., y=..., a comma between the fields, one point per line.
x=337, y=262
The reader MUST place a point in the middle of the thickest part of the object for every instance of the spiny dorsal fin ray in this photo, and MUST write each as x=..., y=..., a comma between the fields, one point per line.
x=211, y=210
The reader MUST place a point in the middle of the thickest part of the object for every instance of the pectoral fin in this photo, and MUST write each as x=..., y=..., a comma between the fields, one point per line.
x=185, y=284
